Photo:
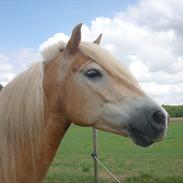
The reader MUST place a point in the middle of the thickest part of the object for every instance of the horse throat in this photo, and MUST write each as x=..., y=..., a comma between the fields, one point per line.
x=56, y=127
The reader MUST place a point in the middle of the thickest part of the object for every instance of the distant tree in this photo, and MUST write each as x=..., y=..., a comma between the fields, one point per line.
x=174, y=110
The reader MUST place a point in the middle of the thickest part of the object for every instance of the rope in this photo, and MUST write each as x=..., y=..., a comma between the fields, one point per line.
x=95, y=157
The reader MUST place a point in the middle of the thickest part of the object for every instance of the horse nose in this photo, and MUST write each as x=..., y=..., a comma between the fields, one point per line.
x=159, y=120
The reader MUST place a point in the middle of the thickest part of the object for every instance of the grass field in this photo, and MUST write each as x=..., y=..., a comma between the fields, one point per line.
x=159, y=163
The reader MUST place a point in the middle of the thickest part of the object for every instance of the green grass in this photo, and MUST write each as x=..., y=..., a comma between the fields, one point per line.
x=159, y=163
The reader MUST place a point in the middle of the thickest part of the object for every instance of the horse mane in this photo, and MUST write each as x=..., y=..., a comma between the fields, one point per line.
x=21, y=121
x=53, y=50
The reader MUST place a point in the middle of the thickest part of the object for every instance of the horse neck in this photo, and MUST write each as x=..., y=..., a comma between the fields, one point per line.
x=56, y=127
x=56, y=124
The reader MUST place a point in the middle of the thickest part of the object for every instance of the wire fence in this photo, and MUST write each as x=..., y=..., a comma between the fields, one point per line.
x=96, y=160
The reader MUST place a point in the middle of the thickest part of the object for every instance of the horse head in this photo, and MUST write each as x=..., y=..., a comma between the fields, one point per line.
x=91, y=88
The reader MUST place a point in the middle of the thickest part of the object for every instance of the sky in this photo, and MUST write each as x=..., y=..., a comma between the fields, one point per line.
x=145, y=35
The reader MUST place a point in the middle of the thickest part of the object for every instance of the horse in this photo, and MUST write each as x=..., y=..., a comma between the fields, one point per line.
x=80, y=83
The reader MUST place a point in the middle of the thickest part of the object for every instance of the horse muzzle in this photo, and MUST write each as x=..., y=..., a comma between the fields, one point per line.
x=149, y=129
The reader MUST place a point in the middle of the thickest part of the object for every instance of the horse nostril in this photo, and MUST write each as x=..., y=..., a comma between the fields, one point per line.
x=159, y=119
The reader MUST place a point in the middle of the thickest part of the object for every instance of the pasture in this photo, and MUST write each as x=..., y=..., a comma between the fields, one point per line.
x=159, y=163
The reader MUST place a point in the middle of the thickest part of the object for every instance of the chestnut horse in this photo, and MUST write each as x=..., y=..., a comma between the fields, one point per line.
x=79, y=83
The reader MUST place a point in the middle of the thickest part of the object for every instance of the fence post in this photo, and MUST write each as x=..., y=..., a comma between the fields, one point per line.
x=95, y=153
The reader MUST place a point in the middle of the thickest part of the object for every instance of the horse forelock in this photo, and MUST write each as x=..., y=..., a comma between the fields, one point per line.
x=53, y=50
x=21, y=120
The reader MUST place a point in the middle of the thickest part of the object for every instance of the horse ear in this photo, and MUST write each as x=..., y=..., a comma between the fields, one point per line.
x=75, y=39
x=97, y=41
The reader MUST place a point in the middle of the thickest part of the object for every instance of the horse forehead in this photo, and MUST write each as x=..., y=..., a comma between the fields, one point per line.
x=106, y=60
x=102, y=57
x=80, y=60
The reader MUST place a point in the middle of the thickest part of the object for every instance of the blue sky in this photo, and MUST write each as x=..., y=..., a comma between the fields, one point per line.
x=27, y=23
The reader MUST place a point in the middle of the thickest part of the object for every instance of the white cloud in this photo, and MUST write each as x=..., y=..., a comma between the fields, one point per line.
x=13, y=63
x=52, y=40
x=147, y=38
x=5, y=69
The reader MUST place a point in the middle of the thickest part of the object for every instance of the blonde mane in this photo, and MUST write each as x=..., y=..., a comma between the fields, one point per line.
x=21, y=120
x=53, y=50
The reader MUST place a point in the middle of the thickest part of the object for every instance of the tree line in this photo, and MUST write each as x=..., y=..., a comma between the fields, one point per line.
x=174, y=110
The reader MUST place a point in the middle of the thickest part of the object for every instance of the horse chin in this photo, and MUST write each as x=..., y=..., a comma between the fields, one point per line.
x=140, y=139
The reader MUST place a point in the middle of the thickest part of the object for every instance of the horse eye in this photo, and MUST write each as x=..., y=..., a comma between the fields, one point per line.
x=93, y=74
